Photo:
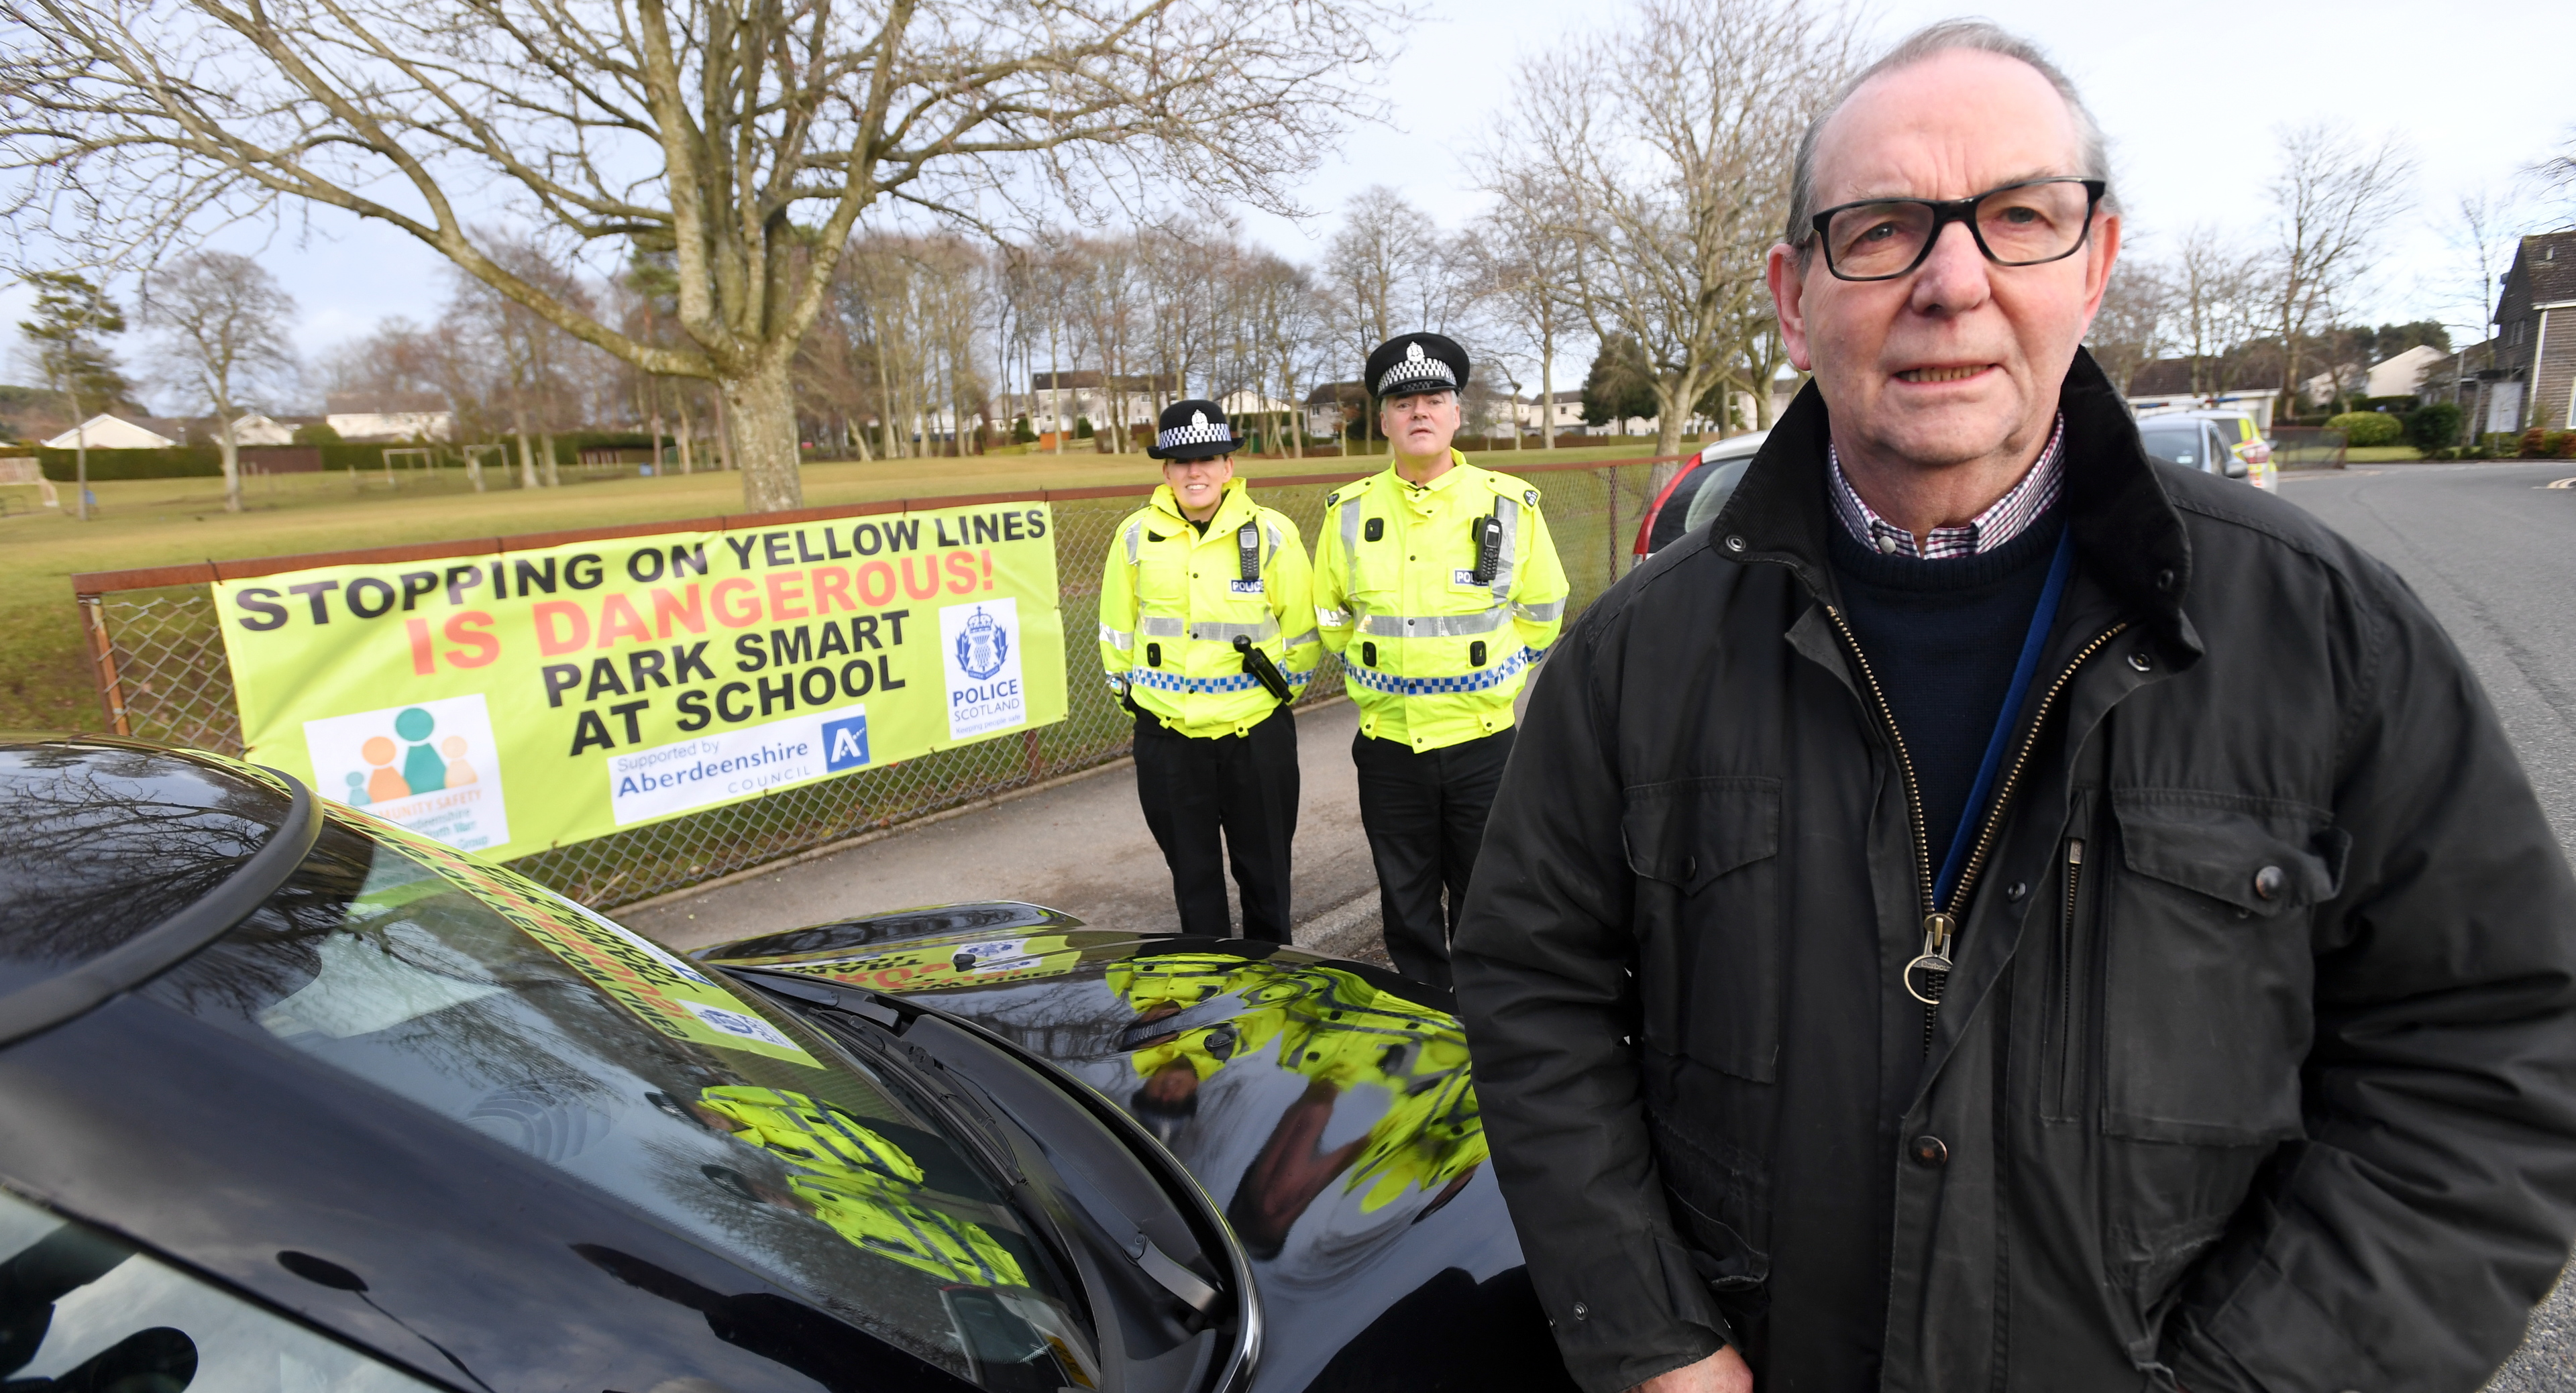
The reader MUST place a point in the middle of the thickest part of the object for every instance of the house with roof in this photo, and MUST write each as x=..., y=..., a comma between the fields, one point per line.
x=2525, y=375
x=107, y=431
x=2167, y=384
x=389, y=416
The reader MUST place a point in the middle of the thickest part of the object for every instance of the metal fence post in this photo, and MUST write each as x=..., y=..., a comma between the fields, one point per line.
x=111, y=689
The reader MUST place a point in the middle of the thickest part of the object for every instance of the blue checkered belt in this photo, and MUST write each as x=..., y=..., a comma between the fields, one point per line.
x=1476, y=681
x=1162, y=681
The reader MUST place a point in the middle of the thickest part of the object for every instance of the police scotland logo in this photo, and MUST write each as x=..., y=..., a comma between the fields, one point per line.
x=980, y=650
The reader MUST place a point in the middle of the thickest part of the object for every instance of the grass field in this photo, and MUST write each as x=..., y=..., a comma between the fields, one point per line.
x=45, y=681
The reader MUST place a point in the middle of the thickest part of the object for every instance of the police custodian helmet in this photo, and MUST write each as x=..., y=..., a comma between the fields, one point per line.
x=1193, y=429
x=1409, y=365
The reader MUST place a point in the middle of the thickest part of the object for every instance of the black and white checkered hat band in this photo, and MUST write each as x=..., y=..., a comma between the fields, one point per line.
x=1417, y=370
x=1194, y=435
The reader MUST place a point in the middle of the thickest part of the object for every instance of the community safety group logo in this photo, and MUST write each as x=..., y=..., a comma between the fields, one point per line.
x=430, y=766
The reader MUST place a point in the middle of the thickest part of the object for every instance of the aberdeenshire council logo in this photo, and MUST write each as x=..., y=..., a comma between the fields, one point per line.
x=980, y=654
x=983, y=647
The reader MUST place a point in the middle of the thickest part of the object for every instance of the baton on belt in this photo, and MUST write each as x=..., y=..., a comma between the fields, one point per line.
x=1259, y=665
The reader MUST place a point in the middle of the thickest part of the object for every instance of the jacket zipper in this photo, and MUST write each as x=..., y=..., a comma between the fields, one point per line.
x=2066, y=972
x=1940, y=924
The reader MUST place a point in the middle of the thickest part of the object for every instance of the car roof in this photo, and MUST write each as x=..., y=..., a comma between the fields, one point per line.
x=1734, y=447
x=102, y=841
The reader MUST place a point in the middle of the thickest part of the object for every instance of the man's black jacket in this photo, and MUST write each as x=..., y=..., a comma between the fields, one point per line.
x=2282, y=1097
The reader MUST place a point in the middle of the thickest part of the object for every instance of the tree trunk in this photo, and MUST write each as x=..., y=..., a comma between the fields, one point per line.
x=726, y=460
x=688, y=433
x=657, y=440
x=80, y=458
x=546, y=447
x=1669, y=406
x=1547, y=389
x=759, y=414
x=527, y=455
x=230, y=449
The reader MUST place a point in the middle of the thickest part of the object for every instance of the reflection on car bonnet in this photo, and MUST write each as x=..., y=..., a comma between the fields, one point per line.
x=852, y=1178
x=1336, y=1030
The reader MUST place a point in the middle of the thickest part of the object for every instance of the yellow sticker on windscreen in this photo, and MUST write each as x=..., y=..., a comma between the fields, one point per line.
x=659, y=987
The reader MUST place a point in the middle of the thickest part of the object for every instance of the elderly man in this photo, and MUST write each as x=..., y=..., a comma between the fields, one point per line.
x=1991, y=912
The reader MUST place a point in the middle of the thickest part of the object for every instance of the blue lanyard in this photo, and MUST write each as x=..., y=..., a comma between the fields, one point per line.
x=2042, y=618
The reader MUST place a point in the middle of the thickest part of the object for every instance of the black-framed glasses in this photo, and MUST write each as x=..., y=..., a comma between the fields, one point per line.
x=2024, y=224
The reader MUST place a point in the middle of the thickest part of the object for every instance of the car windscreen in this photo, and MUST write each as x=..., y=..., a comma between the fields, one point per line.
x=1717, y=485
x=504, y=1008
x=2175, y=442
x=100, y=843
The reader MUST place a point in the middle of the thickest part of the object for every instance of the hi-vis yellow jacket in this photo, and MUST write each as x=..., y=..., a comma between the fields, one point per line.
x=1173, y=599
x=1433, y=644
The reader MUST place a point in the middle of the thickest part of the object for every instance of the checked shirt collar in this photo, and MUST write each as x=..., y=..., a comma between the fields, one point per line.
x=1986, y=531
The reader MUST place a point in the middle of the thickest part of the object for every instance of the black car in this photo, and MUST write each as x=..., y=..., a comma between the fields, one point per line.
x=298, y=1100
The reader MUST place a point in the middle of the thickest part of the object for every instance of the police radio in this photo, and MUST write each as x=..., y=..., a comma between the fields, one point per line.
x=1262, y=669
x=1247, y=549
x=1489, y=545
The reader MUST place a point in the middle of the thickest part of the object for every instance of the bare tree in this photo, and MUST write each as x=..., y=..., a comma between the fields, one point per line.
x=222, y=317
x=1528, y=272
x=2219, y=293
x=2333, y=196
x=1673, y=137
x=2135, y=321
x=747, y=139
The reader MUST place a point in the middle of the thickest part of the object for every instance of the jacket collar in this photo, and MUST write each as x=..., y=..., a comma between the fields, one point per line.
x=1236, y=499
x=2127, y=530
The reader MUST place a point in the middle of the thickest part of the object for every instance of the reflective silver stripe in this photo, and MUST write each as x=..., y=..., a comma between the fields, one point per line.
x=1351, y=539
x=1116, y=639
x=1333, y=618
x=1436, y=625
x=1135, y=535
x=1163, y=627
x=1508, y=511
x=1276, y=541
x=1541, y=614
x=1267, y=629
x=1310, y=636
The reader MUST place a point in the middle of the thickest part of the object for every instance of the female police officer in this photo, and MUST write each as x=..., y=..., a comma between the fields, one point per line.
x=1207, y=630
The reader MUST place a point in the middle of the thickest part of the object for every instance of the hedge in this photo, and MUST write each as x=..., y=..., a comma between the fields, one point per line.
x=205, y=461
x=2366, y=428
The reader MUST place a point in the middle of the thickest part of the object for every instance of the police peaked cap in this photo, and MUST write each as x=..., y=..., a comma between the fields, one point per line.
x=1409, y=365
x=1193, y=429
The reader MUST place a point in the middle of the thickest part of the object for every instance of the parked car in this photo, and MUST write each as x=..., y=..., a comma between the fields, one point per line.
x=296, y=1099
x=2214, y=442
x=2244, y=437
x=1695, y=494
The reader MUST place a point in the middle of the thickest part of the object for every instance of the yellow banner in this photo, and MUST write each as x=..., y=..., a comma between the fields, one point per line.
x=506, y=704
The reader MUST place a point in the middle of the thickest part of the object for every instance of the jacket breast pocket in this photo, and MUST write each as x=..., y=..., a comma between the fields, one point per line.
x=2207, y=967
x=1708, y=912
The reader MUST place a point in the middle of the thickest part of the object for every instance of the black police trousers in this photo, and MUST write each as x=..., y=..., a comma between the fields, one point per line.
x=1244, y=785
x=1425, y=816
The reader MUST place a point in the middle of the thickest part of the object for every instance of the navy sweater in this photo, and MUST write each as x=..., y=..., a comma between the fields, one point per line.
x=1941, y=638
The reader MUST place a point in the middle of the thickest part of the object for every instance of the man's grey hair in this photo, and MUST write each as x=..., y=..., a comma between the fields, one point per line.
x=1972, y=35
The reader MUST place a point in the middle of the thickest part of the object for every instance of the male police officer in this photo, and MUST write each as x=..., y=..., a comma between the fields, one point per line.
x=1438, y=585
x=1207, y=629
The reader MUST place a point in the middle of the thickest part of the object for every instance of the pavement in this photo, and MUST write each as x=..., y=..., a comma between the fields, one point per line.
x=2488, y=547
x=1079, y=845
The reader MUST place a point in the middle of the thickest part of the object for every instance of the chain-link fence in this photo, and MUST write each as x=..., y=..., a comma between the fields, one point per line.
x=162, y=675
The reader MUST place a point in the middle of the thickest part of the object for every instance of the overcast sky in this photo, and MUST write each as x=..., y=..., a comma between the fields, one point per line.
x=2191, y=93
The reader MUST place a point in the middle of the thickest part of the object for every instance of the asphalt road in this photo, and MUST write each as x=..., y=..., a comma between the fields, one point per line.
x=2492, y=551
